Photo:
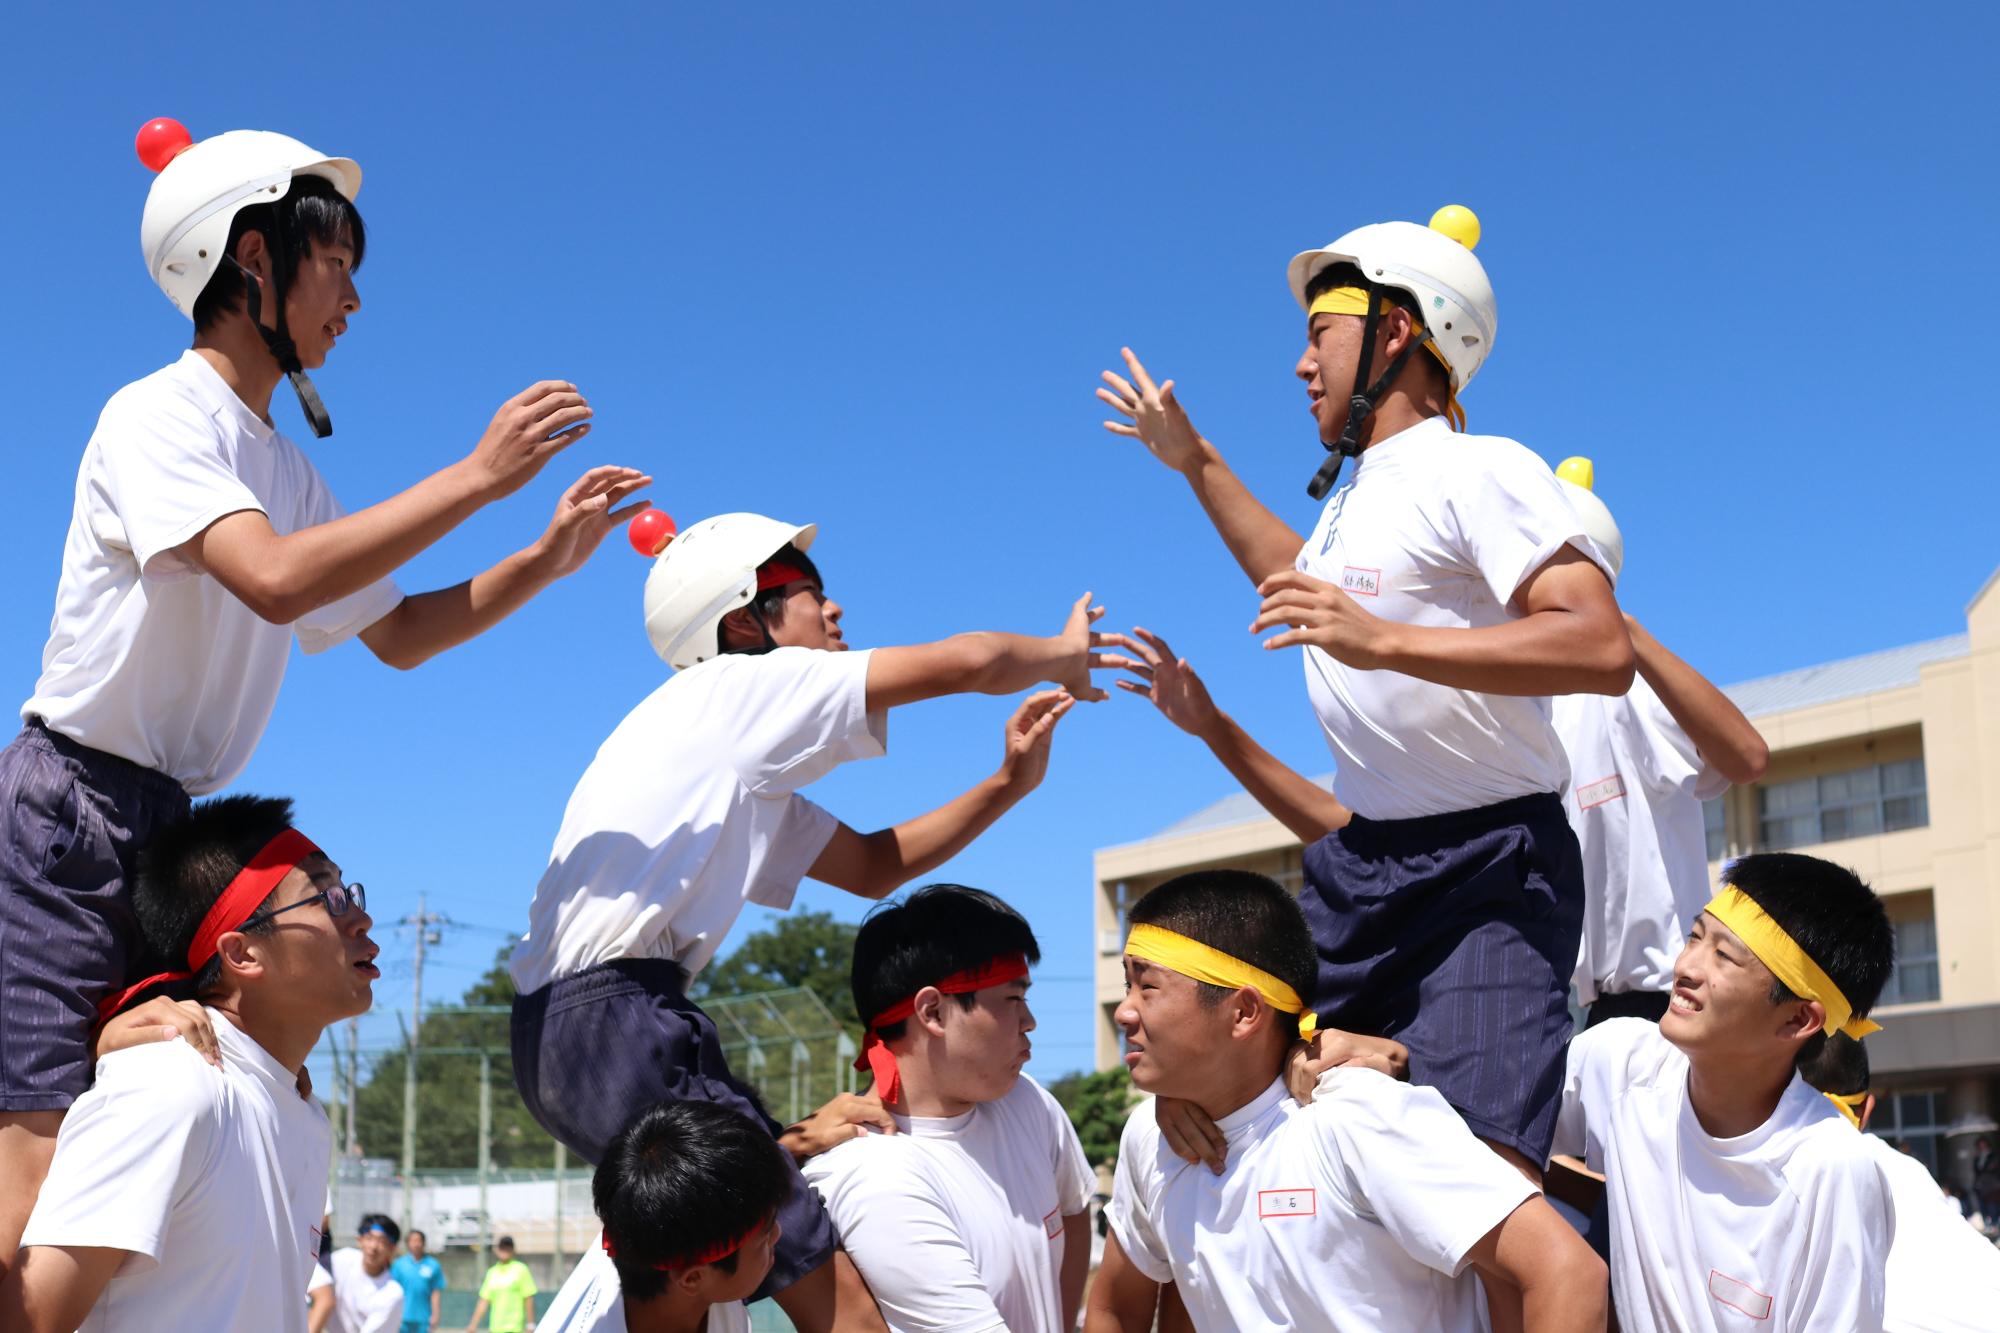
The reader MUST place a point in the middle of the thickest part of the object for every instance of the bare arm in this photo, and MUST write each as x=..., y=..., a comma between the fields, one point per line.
x=51, y=1288
x=1122, y=1299
x=321, y=1312
x=1309, y=810
x=874, y=865
x=1563, y=1285
x=282, y=578
x=989, y=663
x=1568, y=639
x=1717, y=727
x=478, y=1313
x=424, y=625
x=1075, y=1265
x=1262, y=543
x=437, y=1306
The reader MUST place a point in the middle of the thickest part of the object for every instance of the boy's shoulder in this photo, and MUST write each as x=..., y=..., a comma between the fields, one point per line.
x=164, y=1080
x=1626, y=1053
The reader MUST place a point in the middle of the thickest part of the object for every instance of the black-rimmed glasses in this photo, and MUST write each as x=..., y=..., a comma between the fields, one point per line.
x=337, y=897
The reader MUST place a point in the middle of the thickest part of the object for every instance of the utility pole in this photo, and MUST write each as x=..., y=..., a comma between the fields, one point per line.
x=423, y=921
x=562, y=1164
x=353, y=1076
x=485, y=1139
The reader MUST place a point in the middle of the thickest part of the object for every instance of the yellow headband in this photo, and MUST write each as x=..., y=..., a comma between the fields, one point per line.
x=1192, y=958
x=1354, y=301
x=1787, y=961
x=1849, y=1106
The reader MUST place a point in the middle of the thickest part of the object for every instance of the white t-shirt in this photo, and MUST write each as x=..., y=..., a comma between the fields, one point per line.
x=691, y=809
x=1438, y=529
x=168, y=669
x=1784, y=1228
x=364, y=1303
x=1636, y=787
x=1355, y=1213
x=957, y=1223
x=590, y=1301
x=214, y=1180
x=1944, y=1277
x=320, y=1278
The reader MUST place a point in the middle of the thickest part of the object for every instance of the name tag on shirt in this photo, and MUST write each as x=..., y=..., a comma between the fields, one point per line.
x=1286, y=1203
x=1738, y=1296
x=1599, y=792
x=1361, y=582
x=1052, y=1226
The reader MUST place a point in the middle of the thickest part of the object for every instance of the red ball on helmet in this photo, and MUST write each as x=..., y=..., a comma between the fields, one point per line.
x=161, y=141
x=650, y=530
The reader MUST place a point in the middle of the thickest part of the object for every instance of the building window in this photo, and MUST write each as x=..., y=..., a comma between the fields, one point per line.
x=1915, y=1118
x=1915, y=979
x=1713, y=824
x=1876, y=798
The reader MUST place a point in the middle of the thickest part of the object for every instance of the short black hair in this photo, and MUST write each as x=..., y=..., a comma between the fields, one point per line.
x=416, y=1234
x=315, y=213
x=1831, y=914
x=185, y=868
x=680, y=1178
x=1840, y=1066
x=940, y=929
x=1243, y=914
x=504, y=1243
x=380, y=1222
x=768, y=604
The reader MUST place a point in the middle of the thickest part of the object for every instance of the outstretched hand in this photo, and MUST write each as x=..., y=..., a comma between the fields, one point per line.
x=530, y=428
x=1029, y=734
x=585, y=514
x=1170, y=682
x=1079, y=643
x=1152, y=414
x=1316, y=612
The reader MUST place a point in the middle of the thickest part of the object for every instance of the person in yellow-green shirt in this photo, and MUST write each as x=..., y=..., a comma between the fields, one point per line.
x=509, y=1289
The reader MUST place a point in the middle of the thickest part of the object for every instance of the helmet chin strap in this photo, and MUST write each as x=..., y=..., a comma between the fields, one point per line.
x=1362, y=401
x=279, y=340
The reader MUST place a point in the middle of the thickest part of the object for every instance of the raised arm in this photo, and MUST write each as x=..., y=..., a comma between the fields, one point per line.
x=1309, y=810
x=1569, y=637
x=874, y=865
x=1262, y=543
x=1563, y=1285
x=1717, y=727
x=989, y=663
x=51, y=1288
x=1122, y=1299
x=427, y=623
x=281, y=578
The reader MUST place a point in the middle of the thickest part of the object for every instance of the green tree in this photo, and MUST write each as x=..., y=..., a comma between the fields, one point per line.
x=807, y=949
x=1097, y=1104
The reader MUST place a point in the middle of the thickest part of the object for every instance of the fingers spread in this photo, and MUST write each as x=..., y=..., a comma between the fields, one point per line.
x=1139, y=375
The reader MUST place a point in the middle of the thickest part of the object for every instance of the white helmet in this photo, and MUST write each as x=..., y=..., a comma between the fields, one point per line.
x=202, y=187
x=1578, y=476
x=705, y=573
x=1436, y=266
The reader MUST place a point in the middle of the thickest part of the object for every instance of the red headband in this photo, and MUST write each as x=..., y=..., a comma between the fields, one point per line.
x=878, y=1059
x=777, y=573
x=238, y=903
x=720, y=1250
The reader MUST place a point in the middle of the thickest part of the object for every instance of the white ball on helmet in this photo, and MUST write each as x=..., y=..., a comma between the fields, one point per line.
x=706, y=572
x=201, y=190
x=1577, y=476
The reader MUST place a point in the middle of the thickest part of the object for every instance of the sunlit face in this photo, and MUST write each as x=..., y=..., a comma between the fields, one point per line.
x=318, y=300
x=811, y=619
x=1171, y=1037
x=986, y=1046
x=1721, y=1003
x=316, y=968
x=1326, y=367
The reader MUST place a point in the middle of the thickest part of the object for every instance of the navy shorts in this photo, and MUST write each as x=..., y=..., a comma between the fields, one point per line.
x=593, y=1050
x=75, y=819
x=1456, y=935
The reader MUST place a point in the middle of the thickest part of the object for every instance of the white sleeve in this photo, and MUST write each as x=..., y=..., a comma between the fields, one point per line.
x=127, y=1151
x=1412, y=1163
x=1075, y=1181
x=1510, y=516
x=1850, y=1223
x=904, y=1241
x=800, y=837
x=338, y=621
x=1138, y=1146
x=799, y=713
x=1672, y=760
x=320, y=1278
x=166, y=476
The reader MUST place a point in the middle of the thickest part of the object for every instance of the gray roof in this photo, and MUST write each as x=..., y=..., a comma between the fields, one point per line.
x=1869, y=673
x=1825, y=683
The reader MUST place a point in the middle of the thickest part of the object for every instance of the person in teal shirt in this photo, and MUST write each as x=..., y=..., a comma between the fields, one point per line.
x=423, y=1282
x=509, y=1289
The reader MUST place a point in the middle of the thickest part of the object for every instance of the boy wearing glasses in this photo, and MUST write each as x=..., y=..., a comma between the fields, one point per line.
x=183, y=1195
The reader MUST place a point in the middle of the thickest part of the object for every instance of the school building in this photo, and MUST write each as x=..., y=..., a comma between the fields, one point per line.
x=1888, y=763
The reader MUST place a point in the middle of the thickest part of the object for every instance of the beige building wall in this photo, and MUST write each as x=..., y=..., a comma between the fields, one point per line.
x=1937, y=1060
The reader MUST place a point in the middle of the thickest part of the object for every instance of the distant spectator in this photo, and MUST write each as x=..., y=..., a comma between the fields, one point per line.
x=1986, y=1182
x=366, y=1298
x=509, y=1289
x=422, y=1278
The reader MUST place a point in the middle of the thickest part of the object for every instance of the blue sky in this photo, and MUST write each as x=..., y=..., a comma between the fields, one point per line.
x=861, y=265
